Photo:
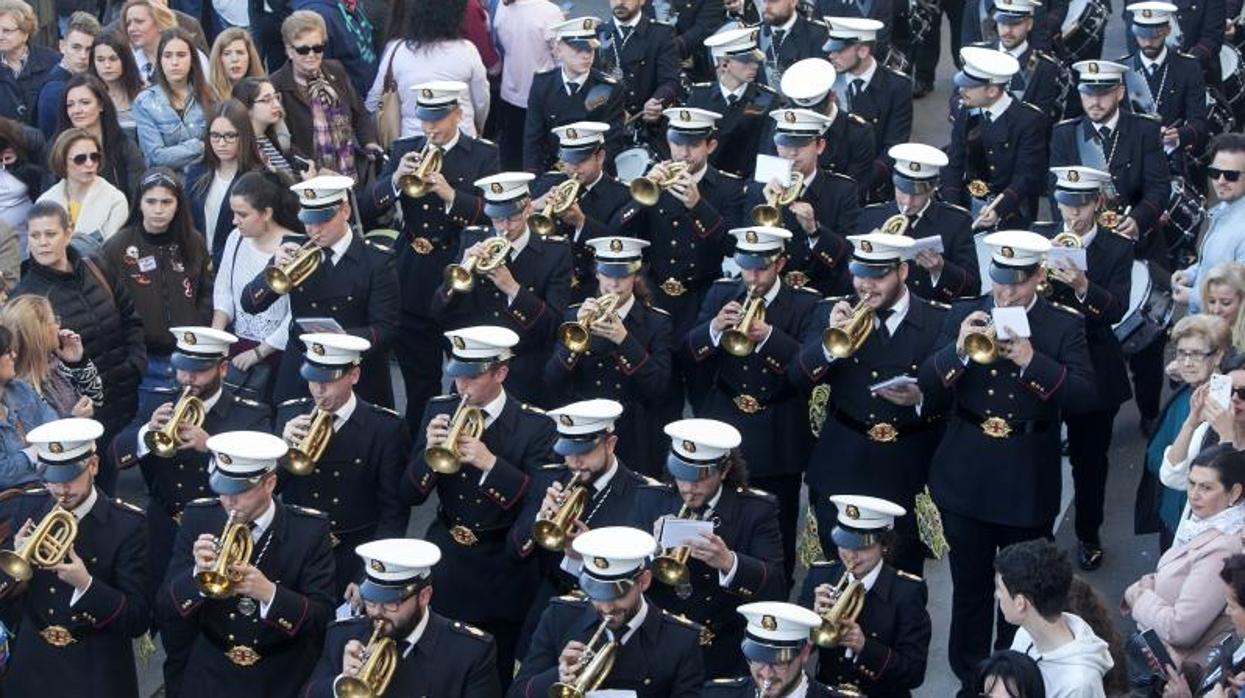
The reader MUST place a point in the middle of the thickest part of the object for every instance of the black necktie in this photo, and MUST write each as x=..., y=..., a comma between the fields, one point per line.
x=779, y=35
x=625, y=32
x=328, y=255
x=883, y=316
x=1104, y=134
x=989, y=118
x=731, y=100
x=572, y=88
x=855, y=89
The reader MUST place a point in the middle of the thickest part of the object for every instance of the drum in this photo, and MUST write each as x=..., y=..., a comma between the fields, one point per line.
x=1232, y=68
x=1082, y=28
x=923, y=16
x=896, y=60
x=632, y=163
x=1186, y=210
x=1150, y=308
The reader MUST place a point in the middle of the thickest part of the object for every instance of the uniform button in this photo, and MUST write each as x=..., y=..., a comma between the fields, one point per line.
x=989, y=391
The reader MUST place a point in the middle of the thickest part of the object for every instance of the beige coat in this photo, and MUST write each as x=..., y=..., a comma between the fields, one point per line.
x=104, y=208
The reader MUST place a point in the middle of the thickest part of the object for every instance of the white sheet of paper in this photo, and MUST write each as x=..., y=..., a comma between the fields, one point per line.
x=1073, y=257
x=932, y=243
x=320, y=324
x=1221, y=390
x=1014, y=317
x=611, y=693
x=895, y=382
x=344, y=611
x=677, y=532
x=771, y=166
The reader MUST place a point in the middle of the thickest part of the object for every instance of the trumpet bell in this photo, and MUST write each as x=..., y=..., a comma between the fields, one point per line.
x=670, y=570
x=214, y=584
x=737, y=343
x=442, y=460
x=645, y=191
x=16, y=566
x=766, y=214
x=574, y=337
x=299, y=463
x=981, y=347
x=459, y=278
x=160, y=444
x=542, y=224
x=278, y=280
x=350, y=687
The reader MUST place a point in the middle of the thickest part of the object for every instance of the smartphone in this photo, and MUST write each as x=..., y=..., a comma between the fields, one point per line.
x=1221, y=390
x=299, y=163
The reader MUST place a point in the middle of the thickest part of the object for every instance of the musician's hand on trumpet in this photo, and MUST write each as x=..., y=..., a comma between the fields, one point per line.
x=685, y=190
x=192, y=437
x=712, y=551
x=297, y=429
x=930, y=261
x=160, y=417
x=554, y=497
x=571, y=661
x=23, y=534
x=250, y=581
x=840, y=314
x=72, y=571
x=407, y=165
x=472, y=451
x=1019, y=350
x=1065, y=273
x=352, y=658
x=607, y=325
x=205, y=551
x=1128, y=227
x=729, y=316
x=973, y=322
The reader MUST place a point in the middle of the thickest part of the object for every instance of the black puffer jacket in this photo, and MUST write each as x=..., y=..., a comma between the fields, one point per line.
x=112, y=333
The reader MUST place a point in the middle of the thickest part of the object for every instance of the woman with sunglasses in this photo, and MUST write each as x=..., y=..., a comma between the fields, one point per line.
x=113, y=63
x=268, y=123
x=170, y=114
x=96, y=208
x=229, y=153
x=164, y=264
x=87, y=105
x=1222, y=241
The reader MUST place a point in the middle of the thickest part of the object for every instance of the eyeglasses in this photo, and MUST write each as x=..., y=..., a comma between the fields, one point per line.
x=1213, y=173
x=304, y=50
x=81, y=158
x=274, y=98
x=1239, y=392
x=217, y=137
x=1193, y=355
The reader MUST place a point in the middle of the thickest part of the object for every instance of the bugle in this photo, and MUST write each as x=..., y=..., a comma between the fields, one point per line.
x=560, y=199
x=415, y=184
x=380, y=661
x=47, y=545
x=302, y=457
x=233, y=548
x=671, y=566
x=770, y=212
x=982, y=345
x=596, y=662
x=188, y=410
x=647, y=190
x=1068, y=239
x=551, y=533
x=461, y=277
x=576, y=335
x=735, y=340
x=846, y=339
x=286, y=277
x=849, y=600
x=467, y=421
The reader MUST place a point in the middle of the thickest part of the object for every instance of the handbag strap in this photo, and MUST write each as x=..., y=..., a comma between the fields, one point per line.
x=99, y=277
x=391, y=85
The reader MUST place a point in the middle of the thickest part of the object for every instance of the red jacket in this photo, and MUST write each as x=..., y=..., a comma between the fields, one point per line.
x=476, y=30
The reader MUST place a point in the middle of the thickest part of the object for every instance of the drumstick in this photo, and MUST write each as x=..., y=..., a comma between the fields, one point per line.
x=988, y=209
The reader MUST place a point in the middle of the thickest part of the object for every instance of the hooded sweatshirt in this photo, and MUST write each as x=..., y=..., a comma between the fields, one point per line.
x=1074, y=670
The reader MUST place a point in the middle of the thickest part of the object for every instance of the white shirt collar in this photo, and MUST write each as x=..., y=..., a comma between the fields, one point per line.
x=493, y=409
x=519, y=244
x=1016, y=52
x=899, y=311
x=1146, y=62
x=417, y=633
x=917, y=216
x=1109, y=123
x=801, y=688
x=209, y=403
x=713, y=503
x=604, y=481
x=339, y=248
x=872, y=577
x=633, y=23
x=738, y=91
x=772, y=293
x=788, y=24
x=264, y=520
x=453, y=142
x=625, y=308
x=593, y=183
x=867, y=75
x=342, y=415
x=996, y=110
x=567, y=79
x=808, y=181
x=85, y=507
x=697, y=176
x=636, y=621
x=1088, y=238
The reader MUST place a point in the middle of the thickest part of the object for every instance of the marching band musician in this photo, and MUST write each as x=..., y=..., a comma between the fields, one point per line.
x=883, y=651
x=824, y=209
x=874, y=441
x=777, y=646
x=640, y=53
x=938, y=276
x=693, y=22
x=356, y=480
x=628, y=356
x=1037, y=82
x=736, y=94
x=738, y=561
x=1100, y=294
x=574, y=90
x=878, y=94
x=201, y=362
x=446, y=204
x=978, y=24
x=527, y=292
x=433, y=655
x=593, y=213
x=76, y=619
x=749, y=331
x=880, y=11
x=1004, y=411
x=484, y=580
x=1198, y=30
x=787, y=36
x=998, y=144
x=262, y=636
x=655, y=653
x=354, y=284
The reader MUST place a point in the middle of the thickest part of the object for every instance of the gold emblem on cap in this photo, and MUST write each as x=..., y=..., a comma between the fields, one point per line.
x=616, y=245
x=689, y=446
x=684, y=115
x=189, y=338
x=601, y=563
x=56, y=447
x=496, y=187
x=317, y=348
x=377, y=566
x=309, y=193
x=572, y=133
x=750, y=236
x=866, y=246
x=224, y=458
x=425, y=93
x=1007, y=252
x=1092, y=68
x=588, y=23
x=852, y=512
x=1074, y=176
x=789, y=117
x=1147, y=13
x=458, y=343
x=566, y=420
x=769, y=622
x=915, y=166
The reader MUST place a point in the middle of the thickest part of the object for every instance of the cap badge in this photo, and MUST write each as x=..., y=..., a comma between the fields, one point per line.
x=616, y=245
x=56, y=447
x=866, y=246
x=1092, y=68
x=459, y=343
x=1147, y=13
x=317, y=349
x=789, y=117
x=684, y=115
x=588, y=23
x=572, y=133
x=1007, y=252
x=566, y=420
x=189, y=338
x=425, y=93
x=769, y=623
x=601, y=563
x=309, y=193
x=852, y=512
x=914, y=166
x=377, y=566
x=689, y=446
x=496, y=188
x=224, y=458
x=1074, y=176
x=751, y=236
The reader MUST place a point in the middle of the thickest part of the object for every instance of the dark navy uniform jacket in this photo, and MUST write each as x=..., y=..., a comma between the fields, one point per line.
x=881, y=10
x=984, y=402
x=481, y=576
x=294, y=554
x=849, y=151
x=450, y=659
x=959, y=277
x=896, y=627
x=1038, y=81
x=747, y=521
x=647, y=59
x=550, y=104
x=1007, y=153
x=741, y=126
x=1176, y=91
x=601, y=203
x=886, y=105
x=805, y=40
x=743, y=687
x=360, y=292
x=694, y=21
x=115, y=609
x=660, y=660
x=1202, y=25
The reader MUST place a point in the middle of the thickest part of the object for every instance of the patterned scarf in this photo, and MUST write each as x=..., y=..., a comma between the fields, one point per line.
x=1229, y=522
x=360, y=29
x=332, y=130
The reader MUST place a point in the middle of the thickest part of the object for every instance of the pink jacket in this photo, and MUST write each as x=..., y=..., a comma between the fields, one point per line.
x=1185, y=605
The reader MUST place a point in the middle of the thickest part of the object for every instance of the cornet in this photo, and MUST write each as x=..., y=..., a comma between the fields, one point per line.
x=302, y=457
x=982, y=346
x=380, y=661
x=671, y=566
x=576, y=335
x=597, y=660
x=845, y=340
x=849, y=601
x=559, y=200
x=467, y=421
x=735, y=340
x=233, y=548
x=770, y=212
x=461, y=277
x=415, y=185
x=47, y=545
x=647, y=190
x=551, y=533
x=188, y=410
x=286, y=277
x=1066, y=238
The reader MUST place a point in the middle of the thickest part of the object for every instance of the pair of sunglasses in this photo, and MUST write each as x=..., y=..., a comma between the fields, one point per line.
x=1214, y=173
x=304, y=50
x=81, y=158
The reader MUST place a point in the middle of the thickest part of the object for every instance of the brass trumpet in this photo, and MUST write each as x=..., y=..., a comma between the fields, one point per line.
x=982, y=346
x=1066, y=238
x=415, y=184
x=188, y=410
x=461, y=277
x=551, y=533
x=671, y=566
x=467, y=421
x=302, y=457
x=47, y=545
x=232, y=548
x=380, y=661
x=559, y=200
x=647, y=190
x=849, y=601
x=770, y=212
x=735, y=340
x=576, y=335
x=845, y=340
x=286, y=277
x=598, y=660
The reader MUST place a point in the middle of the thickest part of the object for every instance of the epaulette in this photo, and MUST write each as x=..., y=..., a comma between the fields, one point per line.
x=1067, y=309
x=164, y=390
x=1186, y=55
x=602, y=77
x=806, y=289
x=248, y=402
x=295, y=401
x=908, y=576
x=307, y=511
x=765, y=88
x=574, y=305
x=378, y=247
x=1032, y=106
x=486, y=141
x=729, y=175
x=551, y=172
x=553, y=466
x=385, y=410
x=349, y=620
x=446, y=398
x=41, y=491
x=701, y=84
x=128, y=507
x=898, y=73
x=1152, y=117
x=824, y=563
x=1045, y=56
x=1122, y=236
x=654, y=484
x=838, y=174
x=553, y=238
x=661, y=311
x=754, y=492
x=661, y=22
x=858, y=119
x=571, y=599
x=817, y=22
x=1073, y=120
x=958, y=207
x=737, y=681
x=833, y=299
x=470, y=631
x=531, y=408
x=726, y=280
x=939, y=304
x=681, y=620
x=203, y=502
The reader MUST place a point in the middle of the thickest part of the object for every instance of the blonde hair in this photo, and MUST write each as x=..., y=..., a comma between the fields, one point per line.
x=160, y=13
x=1231, y=274
x=28, y=318
x=1211, y=328
x=255, y=66
x=22, y=13
x=301, y=21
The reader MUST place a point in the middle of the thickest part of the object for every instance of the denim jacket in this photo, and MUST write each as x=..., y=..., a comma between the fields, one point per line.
x=166, y=139
x=24, y=410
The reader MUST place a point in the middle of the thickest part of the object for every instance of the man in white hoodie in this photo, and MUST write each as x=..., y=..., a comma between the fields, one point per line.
x=1031, y=583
